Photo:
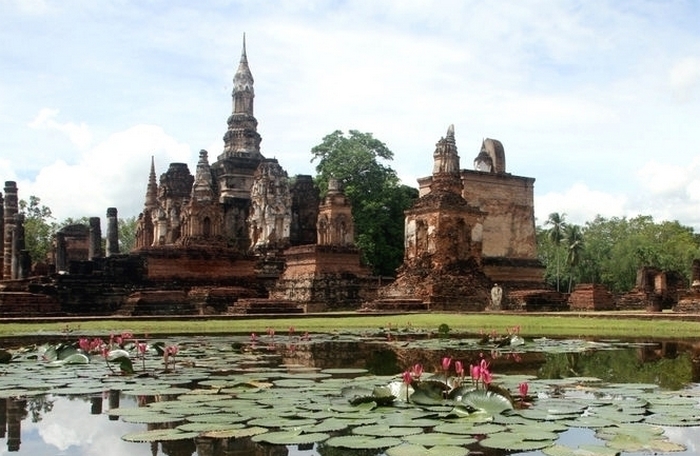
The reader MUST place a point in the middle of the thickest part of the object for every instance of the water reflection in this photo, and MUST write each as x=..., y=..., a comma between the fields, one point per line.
x=82, y=426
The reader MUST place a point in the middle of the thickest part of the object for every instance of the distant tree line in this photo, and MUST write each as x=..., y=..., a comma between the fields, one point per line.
x=610, y=251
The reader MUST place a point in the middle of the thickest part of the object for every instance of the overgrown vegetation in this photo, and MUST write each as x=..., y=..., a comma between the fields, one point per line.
x=40, y=228
x=378, y=199
x=611, y=251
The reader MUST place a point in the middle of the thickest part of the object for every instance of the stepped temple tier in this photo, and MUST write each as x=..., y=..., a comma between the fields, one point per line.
x=238, y=235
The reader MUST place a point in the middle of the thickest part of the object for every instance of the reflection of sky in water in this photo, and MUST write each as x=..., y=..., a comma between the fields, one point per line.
x=71, y=430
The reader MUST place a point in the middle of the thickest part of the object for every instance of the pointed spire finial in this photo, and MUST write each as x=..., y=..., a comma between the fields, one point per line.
x=244, y=54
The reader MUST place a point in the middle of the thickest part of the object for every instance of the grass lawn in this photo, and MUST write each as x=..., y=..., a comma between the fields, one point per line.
x=618, y=324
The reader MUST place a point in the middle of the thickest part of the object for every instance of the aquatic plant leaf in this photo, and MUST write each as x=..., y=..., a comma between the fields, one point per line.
x=206, y=427
x=281, y=422
x=344, y=371
x=428, y=392
x=420, y=450
x=590, y=422
x=328, y=425
x=153, y=418
x=235, y=433
x=360, y=442
x=290, y=437
x=228, y=418
x=487, y=401
x=380, y=430
x=583, y=450
x=439, y=439
x=511, y=441
x=159, y=435
x=468, y=428
x=76, y=358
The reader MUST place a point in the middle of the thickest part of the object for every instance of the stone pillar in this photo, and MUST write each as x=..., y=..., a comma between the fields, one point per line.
x=112, y=232
x=25, y=264
x=10, y=212
x=17, y=246
x=2, y=234
x=95, y=247
x=16, y=410
x=60, y=252
x=695, y=280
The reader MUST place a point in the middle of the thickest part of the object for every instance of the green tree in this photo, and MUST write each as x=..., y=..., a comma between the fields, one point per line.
x=127, y=233
x=38, y=228
x=374, y=190
x=557, y=224
x=574, y=249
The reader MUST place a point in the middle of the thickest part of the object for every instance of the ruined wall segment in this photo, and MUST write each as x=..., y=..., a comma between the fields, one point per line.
x=305, y=203
x=202, y=216
x=270, y=216
x=443, y=242
x=11, y=208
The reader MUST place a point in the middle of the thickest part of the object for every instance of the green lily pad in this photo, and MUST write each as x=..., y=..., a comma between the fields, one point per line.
x=379, y=430
x=419, y=450
x=360, y=442
x=159, y=435
x=583, y=450
x=290, y=437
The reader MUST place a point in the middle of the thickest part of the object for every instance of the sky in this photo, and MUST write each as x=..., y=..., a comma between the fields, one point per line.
x=598, y=101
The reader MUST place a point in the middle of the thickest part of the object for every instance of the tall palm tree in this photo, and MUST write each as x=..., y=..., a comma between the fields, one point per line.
x=574, y=247
x=556, y=234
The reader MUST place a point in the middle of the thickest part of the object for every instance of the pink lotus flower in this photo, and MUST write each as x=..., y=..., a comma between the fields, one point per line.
x=84, y=344
x=417, y=371
x=459, y=368
x=475, y=372
x=169, y=352
x=446, y=363
x=522, y=389
x=407, y=379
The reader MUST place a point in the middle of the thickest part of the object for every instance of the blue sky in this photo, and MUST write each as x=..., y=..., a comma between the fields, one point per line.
x=598, y=101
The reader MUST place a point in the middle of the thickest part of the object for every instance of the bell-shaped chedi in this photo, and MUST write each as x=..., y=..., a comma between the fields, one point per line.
x=442, y=259
x=327, y=275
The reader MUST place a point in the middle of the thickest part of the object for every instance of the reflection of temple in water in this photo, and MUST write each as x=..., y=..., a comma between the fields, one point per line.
x=655, y=359
x=15, y=411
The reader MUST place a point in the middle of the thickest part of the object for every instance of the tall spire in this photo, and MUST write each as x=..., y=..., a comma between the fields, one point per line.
x=203, y=188
x=152, y=189
x=243, y=92
x=242, y=138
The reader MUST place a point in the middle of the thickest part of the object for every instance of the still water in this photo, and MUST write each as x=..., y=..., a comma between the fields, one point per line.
x=81, y=425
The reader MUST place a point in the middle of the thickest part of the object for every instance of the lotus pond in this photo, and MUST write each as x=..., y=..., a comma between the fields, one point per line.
x=392, y=392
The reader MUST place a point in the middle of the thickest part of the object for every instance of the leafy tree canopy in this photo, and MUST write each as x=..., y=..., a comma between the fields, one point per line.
x=611, y=251
x=374, y=190
x=38, y=227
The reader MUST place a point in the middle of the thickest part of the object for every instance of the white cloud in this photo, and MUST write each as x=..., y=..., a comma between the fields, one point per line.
x=663, y=178
x=580, y=204
x=70, y=429
x=684, y=77
x=113, y=173
x=79, y=135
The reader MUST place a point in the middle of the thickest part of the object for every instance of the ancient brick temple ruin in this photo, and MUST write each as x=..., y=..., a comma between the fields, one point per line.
x=470, y=231
x=240, y=235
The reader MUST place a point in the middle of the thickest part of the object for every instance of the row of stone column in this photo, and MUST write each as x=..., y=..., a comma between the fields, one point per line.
x=16, y=261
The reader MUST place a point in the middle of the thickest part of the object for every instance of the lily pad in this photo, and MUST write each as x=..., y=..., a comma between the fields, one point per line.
x=360, y=442
x=419, y=450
